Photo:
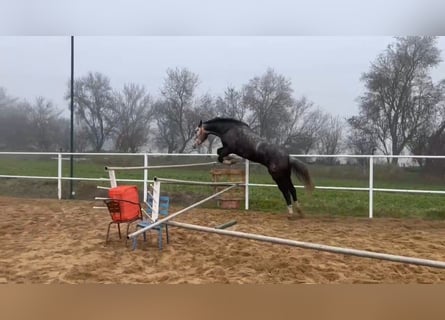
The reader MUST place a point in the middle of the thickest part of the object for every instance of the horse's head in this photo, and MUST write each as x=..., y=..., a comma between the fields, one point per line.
x=200, y=135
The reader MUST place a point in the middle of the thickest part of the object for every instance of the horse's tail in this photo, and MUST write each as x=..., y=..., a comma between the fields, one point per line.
x=302, y=172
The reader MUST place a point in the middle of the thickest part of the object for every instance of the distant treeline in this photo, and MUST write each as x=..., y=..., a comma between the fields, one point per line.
x=401, y=111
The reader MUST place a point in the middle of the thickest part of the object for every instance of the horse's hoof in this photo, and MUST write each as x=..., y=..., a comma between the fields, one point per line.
x=229, y=161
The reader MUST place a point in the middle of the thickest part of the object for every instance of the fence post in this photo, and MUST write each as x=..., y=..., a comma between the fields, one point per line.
x=246, y=186
x=371, y=186
x=59, y=176
x=145, y=177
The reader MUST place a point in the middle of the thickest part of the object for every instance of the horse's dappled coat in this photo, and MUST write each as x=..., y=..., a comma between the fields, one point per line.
x=238, y=138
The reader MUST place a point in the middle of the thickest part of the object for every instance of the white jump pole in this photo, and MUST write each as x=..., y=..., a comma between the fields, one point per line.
x=136, y=233
x=161, y=166
x=204, y=183
x=313, y=246
x=112, y=174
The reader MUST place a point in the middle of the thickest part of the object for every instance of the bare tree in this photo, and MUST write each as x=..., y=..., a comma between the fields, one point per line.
x=331, y=138
x=436, y=146
x=62, y=139
x=25, y=126
x=131, y=117
x=45, y=125
x=231, y=105
x=400, y=96
x=430, y=137
x=269, y=98
x=305, y=127
x=15, y=128
x=93, y=99
x=166, y=137
x=418, y=144
x=82, y=141
x=174, y=111
x=360, y=138
x=206, y=109
x=6, y=100
x=7, y=105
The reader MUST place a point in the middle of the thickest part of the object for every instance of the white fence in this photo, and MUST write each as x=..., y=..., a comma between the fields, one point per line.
x=145, y=162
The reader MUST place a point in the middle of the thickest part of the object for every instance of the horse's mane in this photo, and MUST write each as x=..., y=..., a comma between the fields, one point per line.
x=226, y=120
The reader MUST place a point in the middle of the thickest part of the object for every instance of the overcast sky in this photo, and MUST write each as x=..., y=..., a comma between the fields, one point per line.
x=322, y=46
x=325, y=69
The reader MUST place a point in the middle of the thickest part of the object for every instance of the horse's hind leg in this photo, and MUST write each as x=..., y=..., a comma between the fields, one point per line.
x=283, y=185
x=292, y=190
x=293, y=193
x=287, y=188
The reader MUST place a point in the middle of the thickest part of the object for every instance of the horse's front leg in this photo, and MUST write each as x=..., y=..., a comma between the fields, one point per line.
x=222, y=153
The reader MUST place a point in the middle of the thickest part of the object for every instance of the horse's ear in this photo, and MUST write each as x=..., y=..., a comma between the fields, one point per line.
x=200, y=124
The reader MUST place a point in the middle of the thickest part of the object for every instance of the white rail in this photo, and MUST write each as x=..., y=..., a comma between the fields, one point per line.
x=162, y=167
x=203, y=183
x=59, y=157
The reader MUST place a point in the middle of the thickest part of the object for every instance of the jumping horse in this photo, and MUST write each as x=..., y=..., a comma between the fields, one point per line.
x=238, y=138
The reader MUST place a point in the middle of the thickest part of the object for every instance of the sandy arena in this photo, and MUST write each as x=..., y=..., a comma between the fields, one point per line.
x=51, y=241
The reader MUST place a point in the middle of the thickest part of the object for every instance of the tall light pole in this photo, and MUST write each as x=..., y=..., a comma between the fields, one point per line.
x=72, y=120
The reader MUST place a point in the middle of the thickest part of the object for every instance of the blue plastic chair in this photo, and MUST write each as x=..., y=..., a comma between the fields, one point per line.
x=164, y=203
